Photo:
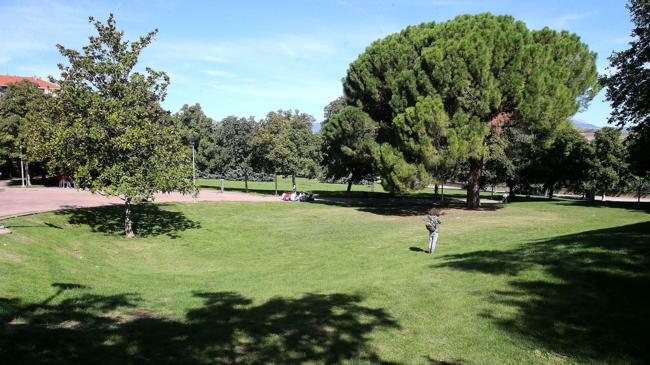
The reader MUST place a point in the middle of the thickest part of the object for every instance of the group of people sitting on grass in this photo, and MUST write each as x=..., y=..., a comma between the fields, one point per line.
x=295, y=196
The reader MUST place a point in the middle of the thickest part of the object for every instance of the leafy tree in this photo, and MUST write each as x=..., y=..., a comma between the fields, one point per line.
x=334, y=107
x=628, y=85
x=22, y=110
x=608, y=166
x=472, y=75
x=233, y=147
x=348, y=142
x=197, y=126
x=499, y=164
x=111, y=134
x=565, y=162
x=285, y=144
x=638, y=146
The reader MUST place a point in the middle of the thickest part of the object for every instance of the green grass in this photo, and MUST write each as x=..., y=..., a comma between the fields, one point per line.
x=284, y=184
x=323, y=189
x=536, y=282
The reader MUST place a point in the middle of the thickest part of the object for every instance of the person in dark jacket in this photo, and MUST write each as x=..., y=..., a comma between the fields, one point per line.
x=433, y=223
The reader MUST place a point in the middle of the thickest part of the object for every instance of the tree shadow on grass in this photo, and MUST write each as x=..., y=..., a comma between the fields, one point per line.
x=593, y=303
x=398, y=206
x=632, y=206
x=148, y=220
x=228, y=328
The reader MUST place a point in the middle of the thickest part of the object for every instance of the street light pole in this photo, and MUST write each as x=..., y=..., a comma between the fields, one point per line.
x=22, y=169
x=193, y=140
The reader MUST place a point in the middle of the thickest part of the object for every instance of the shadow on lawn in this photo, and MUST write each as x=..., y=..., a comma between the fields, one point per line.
x=398, y=206
x=228, y=328
x=595, y=305
x=148, y=219
x=633, y=206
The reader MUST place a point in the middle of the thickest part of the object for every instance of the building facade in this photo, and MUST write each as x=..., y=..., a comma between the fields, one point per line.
x=45, y=86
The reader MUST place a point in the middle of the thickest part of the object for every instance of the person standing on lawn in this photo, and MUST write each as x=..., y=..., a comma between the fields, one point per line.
x=433, y=222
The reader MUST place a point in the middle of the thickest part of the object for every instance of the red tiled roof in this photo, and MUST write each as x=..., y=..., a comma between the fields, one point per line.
x=6, y=80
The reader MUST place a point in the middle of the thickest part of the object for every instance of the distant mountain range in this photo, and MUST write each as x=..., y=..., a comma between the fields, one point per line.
x=584, y=125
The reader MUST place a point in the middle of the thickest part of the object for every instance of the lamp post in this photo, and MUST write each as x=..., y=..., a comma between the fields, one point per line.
x=193, y=140
x=22, y=169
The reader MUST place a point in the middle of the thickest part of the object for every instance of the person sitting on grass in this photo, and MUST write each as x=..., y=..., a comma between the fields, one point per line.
x=433, y=222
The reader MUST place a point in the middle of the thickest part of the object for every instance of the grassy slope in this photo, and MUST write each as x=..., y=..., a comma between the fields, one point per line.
x=535, y=282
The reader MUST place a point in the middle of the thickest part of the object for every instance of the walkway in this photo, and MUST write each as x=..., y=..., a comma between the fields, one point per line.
x=16, y=201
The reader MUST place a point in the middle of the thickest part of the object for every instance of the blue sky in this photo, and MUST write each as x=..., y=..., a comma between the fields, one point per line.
x=250, y=57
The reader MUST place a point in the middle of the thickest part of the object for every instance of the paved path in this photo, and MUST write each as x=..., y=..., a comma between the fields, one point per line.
x=19, y=201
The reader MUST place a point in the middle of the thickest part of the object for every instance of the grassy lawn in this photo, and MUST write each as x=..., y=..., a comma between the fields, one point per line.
x=534, y=282
x=321, y=189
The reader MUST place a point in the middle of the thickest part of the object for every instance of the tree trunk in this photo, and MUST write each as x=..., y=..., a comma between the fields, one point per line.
x=551, y=190
x=29, y=180
x=435, y=191
x=128, y=223
x=638, y=194
x=275, y=178
x=492, y=194
x=474, y=183
x=442, y=191
x=603, y=199
x=293, y=182
x=349, y=184
x=246, y=182
x=222, y=187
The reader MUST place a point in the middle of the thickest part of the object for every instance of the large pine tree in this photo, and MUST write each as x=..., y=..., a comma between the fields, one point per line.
x=445, y=87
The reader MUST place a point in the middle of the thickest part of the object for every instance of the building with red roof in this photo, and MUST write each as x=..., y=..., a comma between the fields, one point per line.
x=45, y=86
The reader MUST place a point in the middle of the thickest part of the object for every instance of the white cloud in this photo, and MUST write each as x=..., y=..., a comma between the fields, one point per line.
x=216, y=59
x=219, y=73
x=566, y=20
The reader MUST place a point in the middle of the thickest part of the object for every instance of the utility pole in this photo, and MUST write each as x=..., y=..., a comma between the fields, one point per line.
x=193, y=140
x=22, y=169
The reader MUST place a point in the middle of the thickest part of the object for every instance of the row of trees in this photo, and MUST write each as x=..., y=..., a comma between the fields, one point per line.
x=238, y=148
x=569, y=161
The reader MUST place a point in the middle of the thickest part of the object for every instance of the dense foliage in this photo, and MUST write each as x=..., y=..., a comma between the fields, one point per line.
x=348, y=140
x=233, y=138
x=285, y=144
x=111, y=134
x=628, y=87
x=448, y=86
x=197, y=128
x=608, y=166
x=23, y=113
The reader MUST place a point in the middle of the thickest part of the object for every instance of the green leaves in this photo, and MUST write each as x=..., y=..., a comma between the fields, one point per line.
x=608, y=166
x=233, y=146
x=193, y=123
x=627, y=86
x=110, y=133
x=285, y=144
x=433, y=89
x=348, y=144
x=22, y=117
